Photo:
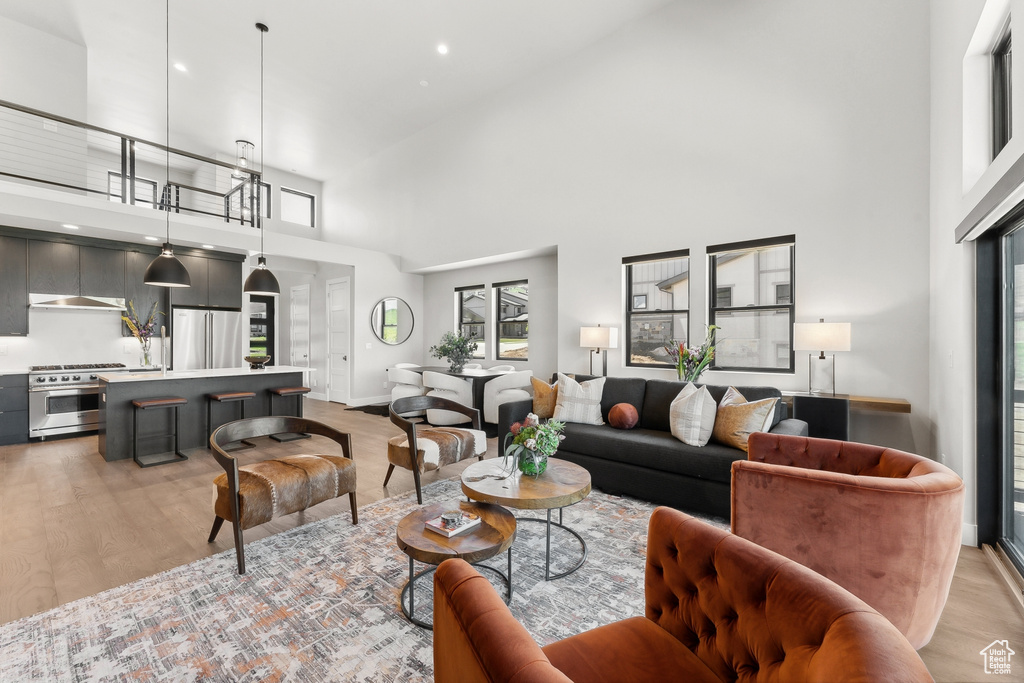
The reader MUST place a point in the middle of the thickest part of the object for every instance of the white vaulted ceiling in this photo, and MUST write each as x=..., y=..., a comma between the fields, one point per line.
x=343, y=77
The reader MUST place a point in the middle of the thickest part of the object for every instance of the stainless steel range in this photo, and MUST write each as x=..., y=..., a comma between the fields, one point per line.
x=63, y=399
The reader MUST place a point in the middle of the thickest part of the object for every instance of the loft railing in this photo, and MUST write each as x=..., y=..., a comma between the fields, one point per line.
x=41, y=148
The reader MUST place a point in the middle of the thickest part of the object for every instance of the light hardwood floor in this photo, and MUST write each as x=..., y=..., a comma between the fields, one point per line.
x=72, y=525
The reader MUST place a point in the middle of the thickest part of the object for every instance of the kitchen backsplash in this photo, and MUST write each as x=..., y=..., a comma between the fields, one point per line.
x=64, y=337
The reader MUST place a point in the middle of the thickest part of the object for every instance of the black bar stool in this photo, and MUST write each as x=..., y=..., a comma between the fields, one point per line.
x=149, y=404
x=298, y=393
x=239, y=397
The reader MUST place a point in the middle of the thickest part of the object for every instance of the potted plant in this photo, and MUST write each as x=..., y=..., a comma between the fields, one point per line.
x=532, y=444
x=456, y=348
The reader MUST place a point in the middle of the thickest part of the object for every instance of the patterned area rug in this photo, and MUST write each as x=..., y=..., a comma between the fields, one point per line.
x=320, y=603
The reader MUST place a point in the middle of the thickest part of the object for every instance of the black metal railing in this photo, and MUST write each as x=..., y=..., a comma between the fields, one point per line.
x=37, y=147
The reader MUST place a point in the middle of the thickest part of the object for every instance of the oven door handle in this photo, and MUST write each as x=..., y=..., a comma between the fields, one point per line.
x=69, y=391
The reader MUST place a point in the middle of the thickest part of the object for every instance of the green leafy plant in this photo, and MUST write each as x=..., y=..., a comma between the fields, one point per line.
x=456, y=348
x=691, y=362
x=533, y=443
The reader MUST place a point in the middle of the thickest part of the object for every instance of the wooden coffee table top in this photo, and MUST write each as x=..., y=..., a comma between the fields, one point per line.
x=562, y=484
x=495, y=534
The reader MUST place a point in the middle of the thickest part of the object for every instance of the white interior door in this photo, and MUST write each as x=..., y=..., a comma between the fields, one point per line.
x=338, y=325
x=298, y=331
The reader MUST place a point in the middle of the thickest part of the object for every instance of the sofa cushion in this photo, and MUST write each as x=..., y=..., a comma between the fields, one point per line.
x=738, y=418
x=620, y=390
x=654, y=449
x=544, y=398
x=660, y=393
x=579, y=402
x=623, y=416
x=692, y=415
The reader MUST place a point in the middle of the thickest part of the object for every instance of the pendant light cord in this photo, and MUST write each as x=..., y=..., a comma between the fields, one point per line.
x=167, y=118
x=263, y=30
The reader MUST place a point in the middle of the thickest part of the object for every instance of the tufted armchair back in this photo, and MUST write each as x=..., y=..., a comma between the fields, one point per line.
x=750, y=614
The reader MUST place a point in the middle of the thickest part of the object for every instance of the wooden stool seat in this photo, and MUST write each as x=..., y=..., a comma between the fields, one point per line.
x=227, y=397
x=147, y=404
x=297, y=392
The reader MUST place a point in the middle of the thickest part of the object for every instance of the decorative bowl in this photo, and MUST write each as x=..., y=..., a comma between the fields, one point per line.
x=257, y=362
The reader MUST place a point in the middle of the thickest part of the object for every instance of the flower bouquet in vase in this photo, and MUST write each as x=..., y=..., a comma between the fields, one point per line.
x=533, y=443
x=141, y=330
x=691, y=362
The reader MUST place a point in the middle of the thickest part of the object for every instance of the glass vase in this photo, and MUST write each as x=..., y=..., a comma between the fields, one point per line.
x=532, y=463
x=145, y=357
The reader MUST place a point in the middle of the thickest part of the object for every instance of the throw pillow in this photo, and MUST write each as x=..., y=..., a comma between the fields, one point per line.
x=544, y=396
x=623, y=416
x=692, y=415
x=579, y=402
x=737, y=419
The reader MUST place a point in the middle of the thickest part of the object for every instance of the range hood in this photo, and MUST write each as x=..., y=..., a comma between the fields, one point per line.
x=76, y=302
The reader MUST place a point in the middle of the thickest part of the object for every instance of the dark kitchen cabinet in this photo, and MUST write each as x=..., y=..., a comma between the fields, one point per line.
x=141, y=295
x=53, y=268
x=198, y=294
x=225, y=283
x=13, y=286
x=13, y=409
x=102, y=272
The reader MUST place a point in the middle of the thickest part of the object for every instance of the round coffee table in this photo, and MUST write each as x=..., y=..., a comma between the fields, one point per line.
x=562, y=484
x=495, y=534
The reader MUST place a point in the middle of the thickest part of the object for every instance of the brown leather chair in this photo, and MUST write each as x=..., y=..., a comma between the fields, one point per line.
x=882, y=523
x=719, y=608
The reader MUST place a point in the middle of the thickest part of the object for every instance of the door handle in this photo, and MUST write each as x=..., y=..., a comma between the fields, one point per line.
x=344, y=357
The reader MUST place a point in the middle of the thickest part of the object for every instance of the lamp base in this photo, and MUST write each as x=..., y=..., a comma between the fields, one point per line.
x=604, y=361
x=821, y=375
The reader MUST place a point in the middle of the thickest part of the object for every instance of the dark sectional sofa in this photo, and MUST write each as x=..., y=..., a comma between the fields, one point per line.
x=647, y=462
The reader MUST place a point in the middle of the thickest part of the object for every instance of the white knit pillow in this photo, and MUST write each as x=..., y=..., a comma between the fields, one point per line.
x=579, y=402
x=691, y=416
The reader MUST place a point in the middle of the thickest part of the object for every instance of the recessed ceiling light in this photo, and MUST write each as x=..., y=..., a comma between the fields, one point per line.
x=424, y=83
x=181, y=67
x=152, y=239
x=69, y=226
x=442, y=49
x=208, y=246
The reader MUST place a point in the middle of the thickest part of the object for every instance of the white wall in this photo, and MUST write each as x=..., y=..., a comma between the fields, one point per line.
x=700, y=124
x=439, y=309
x=42, y=71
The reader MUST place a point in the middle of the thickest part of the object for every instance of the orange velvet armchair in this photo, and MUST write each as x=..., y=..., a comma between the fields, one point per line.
x=718, y=608
x=882, y=523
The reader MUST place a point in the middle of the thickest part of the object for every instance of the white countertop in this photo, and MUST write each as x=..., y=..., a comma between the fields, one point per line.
x=196, y=374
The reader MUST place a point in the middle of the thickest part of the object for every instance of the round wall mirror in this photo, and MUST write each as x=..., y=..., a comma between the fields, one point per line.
x=392, y=320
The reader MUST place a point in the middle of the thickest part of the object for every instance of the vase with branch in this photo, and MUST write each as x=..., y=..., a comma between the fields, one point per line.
x=142, y=330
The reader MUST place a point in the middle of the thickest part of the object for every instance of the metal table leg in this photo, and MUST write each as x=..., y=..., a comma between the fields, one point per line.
x=410, y=588
x=548, y=576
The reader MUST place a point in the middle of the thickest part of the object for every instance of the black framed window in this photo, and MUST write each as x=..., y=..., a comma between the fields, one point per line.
x=657, y=305
x=1002, y=93
x=298, y=207
x=512, y=304
x=472, y=305
x=756, y=318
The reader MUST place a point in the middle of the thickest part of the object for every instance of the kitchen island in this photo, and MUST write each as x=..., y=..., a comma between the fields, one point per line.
x=117, y=391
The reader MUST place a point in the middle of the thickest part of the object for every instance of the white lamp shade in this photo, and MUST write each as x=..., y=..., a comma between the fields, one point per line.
x=599, y=337
x=821, y=336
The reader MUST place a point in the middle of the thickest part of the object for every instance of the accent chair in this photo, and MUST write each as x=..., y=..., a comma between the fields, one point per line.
x=452, y=388
x=510, y=387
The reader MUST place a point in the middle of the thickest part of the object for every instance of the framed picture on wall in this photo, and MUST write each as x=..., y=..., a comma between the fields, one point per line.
x=639, y=302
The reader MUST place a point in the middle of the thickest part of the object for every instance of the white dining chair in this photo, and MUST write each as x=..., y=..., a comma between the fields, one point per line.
x=505, y=388
x=472, y=366
x=452, y=388
x=502, y=368
x=406, y=383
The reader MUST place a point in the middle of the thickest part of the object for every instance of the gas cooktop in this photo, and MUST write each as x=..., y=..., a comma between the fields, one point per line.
x=82, y=366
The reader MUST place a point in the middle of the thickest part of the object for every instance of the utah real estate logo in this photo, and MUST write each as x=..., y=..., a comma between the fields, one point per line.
x=997, y=657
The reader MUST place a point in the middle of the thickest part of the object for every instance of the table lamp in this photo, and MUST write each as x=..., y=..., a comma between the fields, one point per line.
x=599, y=340
x=821, y=337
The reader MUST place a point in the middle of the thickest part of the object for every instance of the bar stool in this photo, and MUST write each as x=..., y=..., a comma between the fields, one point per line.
x=239, y=397
x=149, y=404
x=298, y=392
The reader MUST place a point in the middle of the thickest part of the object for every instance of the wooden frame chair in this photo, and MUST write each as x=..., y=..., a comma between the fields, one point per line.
x=301, y=481
x=411, y=449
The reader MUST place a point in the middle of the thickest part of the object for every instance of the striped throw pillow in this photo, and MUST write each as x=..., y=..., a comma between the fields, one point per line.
x=692, y=415
x=579, y=402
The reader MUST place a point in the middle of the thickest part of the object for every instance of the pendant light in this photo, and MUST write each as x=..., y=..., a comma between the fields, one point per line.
x=166, y=270
x=261, y=280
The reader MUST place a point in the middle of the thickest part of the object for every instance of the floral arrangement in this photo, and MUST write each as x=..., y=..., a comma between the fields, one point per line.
x=692, y=361
x=456, y=348
x=533, y=443
x=143, y=331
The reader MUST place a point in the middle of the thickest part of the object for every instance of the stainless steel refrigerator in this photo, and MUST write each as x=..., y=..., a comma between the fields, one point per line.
x=202, y=339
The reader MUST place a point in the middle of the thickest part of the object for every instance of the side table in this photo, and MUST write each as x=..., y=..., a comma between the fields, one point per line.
x=494, y=535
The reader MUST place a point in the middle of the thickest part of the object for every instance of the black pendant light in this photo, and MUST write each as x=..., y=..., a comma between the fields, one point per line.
x=166, y=270
x=261, y=280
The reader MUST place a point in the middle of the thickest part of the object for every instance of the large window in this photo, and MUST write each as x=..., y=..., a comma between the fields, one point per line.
x=1002, y=93
x=657, y=305
x=298, y=207
x=512, y=302
x=472, y=309
x=756, y=316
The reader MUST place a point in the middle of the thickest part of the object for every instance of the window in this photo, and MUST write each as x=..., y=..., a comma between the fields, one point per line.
x=513, y=308
x=658, y=305
x=145, y=190
x=1002, y=92
x=472, y=307
x=756, y=319
x=298, y=207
